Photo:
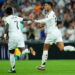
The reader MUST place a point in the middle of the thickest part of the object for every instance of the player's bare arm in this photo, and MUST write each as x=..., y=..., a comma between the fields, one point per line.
x=6, y=32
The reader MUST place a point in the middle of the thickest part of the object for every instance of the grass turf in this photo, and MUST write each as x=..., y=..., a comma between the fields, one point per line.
x=53, y=67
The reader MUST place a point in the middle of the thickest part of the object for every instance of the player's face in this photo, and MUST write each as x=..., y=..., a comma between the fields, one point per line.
x=47, y=7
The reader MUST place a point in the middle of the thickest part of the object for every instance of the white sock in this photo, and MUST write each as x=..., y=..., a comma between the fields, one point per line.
x=25, y=51
x=12, y=61
x=44, y=57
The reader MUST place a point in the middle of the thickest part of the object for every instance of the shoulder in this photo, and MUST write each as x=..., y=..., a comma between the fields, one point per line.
x=8, y=18
x=52, y=12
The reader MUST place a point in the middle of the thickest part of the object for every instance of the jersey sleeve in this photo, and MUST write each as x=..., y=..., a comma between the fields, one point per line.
x=6, y=21
x=44, y=20
x=20, y=19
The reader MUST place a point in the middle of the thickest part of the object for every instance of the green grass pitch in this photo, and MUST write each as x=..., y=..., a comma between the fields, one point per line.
x=28, y=67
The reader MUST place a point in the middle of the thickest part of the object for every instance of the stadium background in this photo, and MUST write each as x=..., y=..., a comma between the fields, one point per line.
x=34, y=35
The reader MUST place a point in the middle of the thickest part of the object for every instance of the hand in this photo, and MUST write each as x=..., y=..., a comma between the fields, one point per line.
x=5, y=39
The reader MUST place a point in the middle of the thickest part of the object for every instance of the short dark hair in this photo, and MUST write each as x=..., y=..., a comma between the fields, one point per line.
x=50, y=3
x=9, y=11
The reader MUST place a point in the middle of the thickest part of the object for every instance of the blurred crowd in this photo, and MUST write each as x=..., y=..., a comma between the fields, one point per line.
x=64, y=9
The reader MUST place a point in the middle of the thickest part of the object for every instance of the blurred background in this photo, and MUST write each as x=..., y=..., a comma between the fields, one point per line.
x=34, y=35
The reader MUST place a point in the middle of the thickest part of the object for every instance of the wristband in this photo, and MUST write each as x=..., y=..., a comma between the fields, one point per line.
x=5, y=35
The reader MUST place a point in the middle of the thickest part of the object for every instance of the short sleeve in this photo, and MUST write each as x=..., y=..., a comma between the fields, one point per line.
x=50, y=15
x=6, y=22
x=20, y=19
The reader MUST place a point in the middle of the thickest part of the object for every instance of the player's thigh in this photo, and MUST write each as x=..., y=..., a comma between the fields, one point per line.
x=48, y=42
x=59, y=42
x=21, y=44
x=49, y=39
x=12, y=44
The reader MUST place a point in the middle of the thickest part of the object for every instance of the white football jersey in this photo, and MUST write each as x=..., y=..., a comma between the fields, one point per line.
x=50, y=20
x=14, y=25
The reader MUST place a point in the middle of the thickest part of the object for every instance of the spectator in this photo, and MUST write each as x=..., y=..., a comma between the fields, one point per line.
x=42, y=33
x=1, y=2
x=1, y=29
x=61, y=28
x=61, y=3
x=4, y=17
x=25, y=30
x=13, y=4
x=4, y=6
x=37, y=32
x=70, y=34
x=38, y=7
x=67, y=19
x=15, y=12
x=31, y=35
x=27, y=9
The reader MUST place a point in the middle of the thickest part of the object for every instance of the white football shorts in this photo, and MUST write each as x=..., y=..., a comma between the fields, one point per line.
x=15, y=43
x=53, y=37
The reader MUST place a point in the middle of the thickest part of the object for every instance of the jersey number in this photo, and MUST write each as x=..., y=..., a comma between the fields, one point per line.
x=16, y=24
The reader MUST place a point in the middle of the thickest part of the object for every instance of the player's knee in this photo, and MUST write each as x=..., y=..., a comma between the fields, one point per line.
x=46, y=46
x=11, y=51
